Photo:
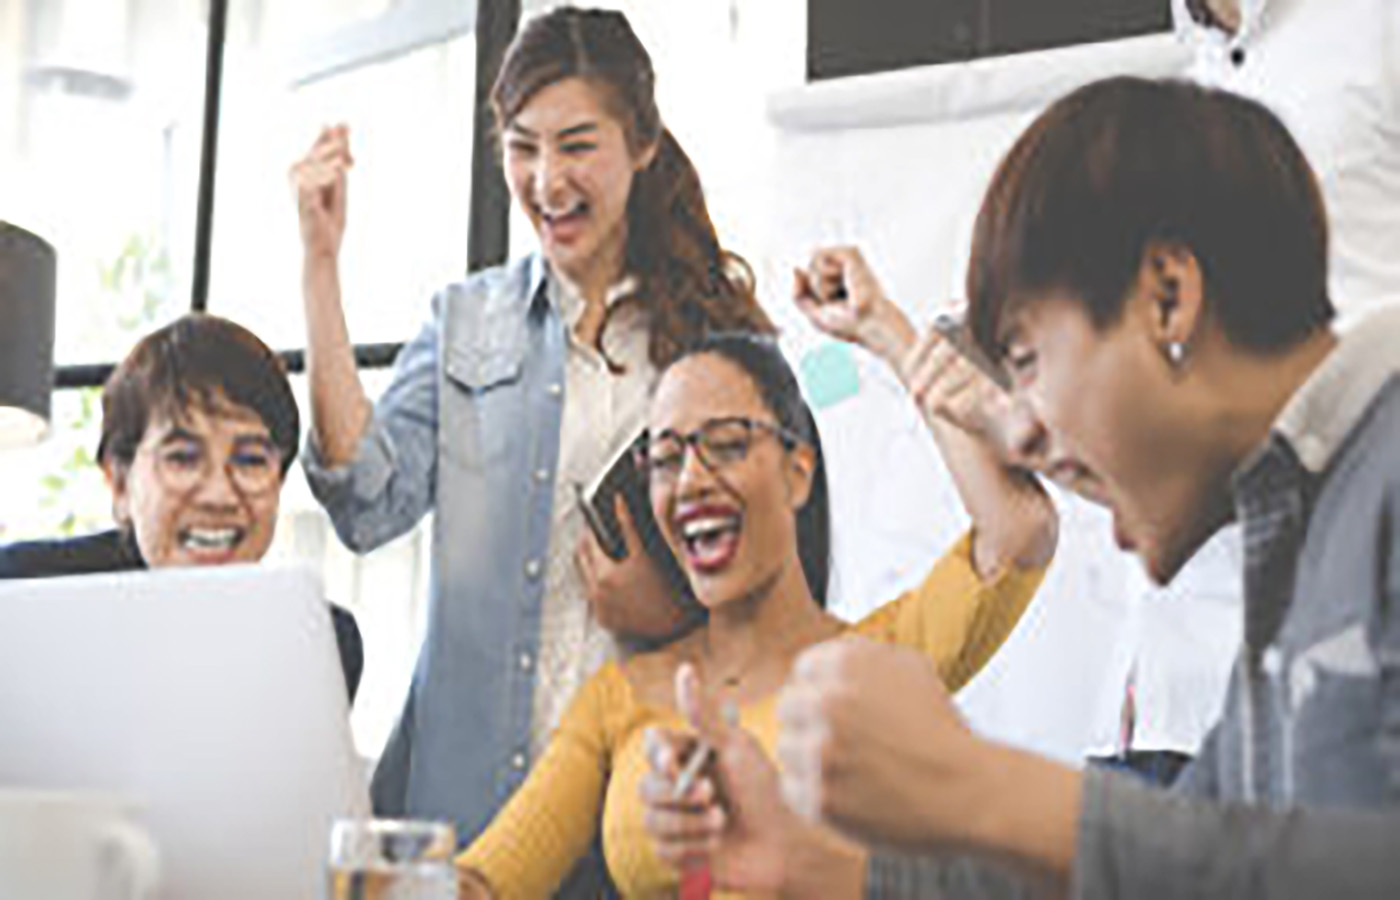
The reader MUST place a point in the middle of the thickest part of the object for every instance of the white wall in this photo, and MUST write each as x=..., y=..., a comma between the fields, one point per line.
x=896, y=164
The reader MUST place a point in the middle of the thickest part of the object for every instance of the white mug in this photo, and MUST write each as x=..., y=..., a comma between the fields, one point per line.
x=57, y=845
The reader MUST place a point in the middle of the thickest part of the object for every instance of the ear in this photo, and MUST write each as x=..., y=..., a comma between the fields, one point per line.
x=800, y=473
x=116, y=475
x=1171, y=294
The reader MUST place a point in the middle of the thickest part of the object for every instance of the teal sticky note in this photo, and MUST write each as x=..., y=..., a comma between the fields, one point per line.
x=830, y=374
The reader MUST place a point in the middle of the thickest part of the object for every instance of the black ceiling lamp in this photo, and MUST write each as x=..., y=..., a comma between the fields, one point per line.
x=28, y=277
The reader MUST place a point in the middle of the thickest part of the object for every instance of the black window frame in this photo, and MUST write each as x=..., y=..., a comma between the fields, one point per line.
x=489, y=212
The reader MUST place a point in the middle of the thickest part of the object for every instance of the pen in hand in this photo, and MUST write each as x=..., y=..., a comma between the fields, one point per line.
x=696, y=883
x=690, y=772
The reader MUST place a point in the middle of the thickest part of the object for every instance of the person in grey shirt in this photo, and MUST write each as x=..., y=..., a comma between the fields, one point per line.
x=1150, y=263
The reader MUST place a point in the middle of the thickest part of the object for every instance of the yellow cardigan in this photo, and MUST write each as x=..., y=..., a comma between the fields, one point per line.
x=590, y=772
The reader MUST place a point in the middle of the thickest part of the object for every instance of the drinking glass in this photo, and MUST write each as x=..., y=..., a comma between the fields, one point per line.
x=392, y=859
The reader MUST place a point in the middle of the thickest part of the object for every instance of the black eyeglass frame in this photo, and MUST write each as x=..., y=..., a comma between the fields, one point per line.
x=696, y=440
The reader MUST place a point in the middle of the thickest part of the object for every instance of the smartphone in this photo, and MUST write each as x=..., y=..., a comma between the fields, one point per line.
x=952, y=325
x=610, y=539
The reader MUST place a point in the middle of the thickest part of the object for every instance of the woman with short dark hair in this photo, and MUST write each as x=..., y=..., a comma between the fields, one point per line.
x=196, y=361
x=199, y=429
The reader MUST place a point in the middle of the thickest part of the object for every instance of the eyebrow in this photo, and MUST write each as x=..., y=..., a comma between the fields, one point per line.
x=580, y=129
x=262, y=440
x=178, y=433
x=572, y=131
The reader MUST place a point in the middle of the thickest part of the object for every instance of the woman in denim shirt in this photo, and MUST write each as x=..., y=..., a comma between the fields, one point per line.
x=525, y=379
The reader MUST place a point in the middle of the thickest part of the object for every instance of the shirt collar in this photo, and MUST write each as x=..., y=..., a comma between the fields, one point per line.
x=566, y=299
x=1321, y=414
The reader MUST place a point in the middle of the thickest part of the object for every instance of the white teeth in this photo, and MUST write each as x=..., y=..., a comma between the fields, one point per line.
x=697, y=528
x=212, y=538
x=561, y=213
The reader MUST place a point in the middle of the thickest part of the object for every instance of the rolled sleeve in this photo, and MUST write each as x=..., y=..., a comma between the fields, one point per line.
x=363, y=479
x=390, y=483
x=1136, y=841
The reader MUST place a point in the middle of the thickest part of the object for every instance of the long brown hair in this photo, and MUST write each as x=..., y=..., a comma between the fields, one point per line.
x=689, y=284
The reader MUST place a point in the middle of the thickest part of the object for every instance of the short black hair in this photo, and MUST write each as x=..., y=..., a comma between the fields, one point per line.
x=197, y=360
x=1122, y=163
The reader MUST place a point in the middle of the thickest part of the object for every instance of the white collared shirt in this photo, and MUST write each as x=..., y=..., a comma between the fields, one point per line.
x=603, y=412
x=1330, y=69
x=1321, y=415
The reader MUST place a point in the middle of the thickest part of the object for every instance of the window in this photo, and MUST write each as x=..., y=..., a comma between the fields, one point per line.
x=410, y=118
x=100, y=108
x=55, y=489
x=102, y=125
x=402, y=76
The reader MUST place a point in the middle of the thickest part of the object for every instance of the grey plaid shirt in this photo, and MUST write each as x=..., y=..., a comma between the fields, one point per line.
x=1296, y=793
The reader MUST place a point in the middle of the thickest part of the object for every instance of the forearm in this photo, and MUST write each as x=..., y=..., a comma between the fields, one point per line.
x=1136, y=841
x=1014, y=808
x=340, y=410
x=890, y=336
x=1014, y=521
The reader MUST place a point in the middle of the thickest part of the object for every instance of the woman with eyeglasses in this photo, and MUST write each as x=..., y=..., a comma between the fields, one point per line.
x=737, y=483
x=199, y=429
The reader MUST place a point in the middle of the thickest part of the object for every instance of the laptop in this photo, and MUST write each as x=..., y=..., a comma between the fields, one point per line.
x=211, y=697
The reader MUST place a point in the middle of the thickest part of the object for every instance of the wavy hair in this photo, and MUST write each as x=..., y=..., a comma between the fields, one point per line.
x=689, y=284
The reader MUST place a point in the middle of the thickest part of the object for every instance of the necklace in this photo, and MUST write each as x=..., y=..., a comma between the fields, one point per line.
x=734, y=678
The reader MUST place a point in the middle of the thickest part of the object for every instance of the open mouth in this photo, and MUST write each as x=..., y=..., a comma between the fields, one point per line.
x=563, y=224
x=211, y=542
x=709, y=537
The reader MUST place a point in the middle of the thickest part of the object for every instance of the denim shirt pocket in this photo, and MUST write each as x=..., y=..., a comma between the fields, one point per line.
x=481, y=406
x=1334, y=701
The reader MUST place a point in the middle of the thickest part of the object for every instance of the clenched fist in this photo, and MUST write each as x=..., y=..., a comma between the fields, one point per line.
x=319, y=182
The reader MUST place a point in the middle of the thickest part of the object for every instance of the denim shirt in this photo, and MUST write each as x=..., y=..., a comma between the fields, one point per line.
x=468, y=429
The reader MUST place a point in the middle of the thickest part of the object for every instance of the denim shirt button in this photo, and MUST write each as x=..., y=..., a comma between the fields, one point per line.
x=517, y=762
x=533, y=568
x=555, y=389
x=541, y=475
x=526, y=662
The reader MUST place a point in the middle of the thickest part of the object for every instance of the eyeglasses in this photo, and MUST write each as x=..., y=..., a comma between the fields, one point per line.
x=254, y=466
x=718, y=443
